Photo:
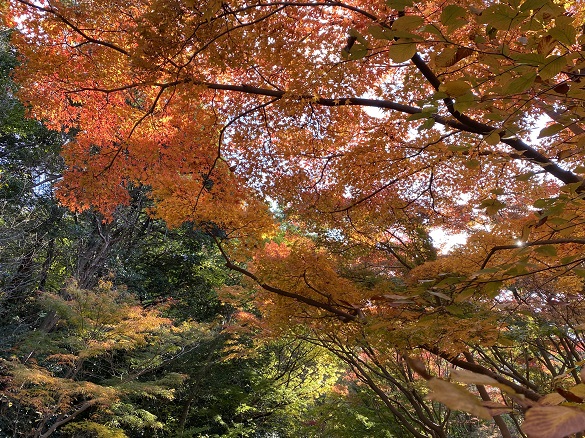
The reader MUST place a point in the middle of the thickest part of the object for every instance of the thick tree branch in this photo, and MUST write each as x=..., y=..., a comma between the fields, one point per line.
x=486, y=397
x=462, y=122
x=341, y=101
x=471, y=125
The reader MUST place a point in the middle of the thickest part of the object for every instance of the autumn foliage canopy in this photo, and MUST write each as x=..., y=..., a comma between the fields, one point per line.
x=320, y=142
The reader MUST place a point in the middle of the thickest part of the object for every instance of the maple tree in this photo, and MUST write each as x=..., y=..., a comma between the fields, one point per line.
x=365, y=123
x=110, y=367
x=56, y=377
x=43, y=244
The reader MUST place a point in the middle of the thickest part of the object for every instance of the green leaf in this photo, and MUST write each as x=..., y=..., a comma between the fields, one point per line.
x=542, y=203
x=550, y=130
x=417, y=116
x=492, y=206
x=439, y=95
x=457, y=311
x=579, y=271
x=358, y=51
x=492, y=289
x=569, y=259
x=429, y=109
x=547, y=250
x=518, y=269
x=463, y=103
x=500, y=16
x=402, y=50
x=464, y=295
x=485, y=271
x=564, y=31
x=531, y=5
x=452, y=16
x=505, y=342
x=493, y=138
x=458, y=147
x=521, y=83
x=399, y=5
x=568, y=231
x=557, y=221
x=432, y=29
x=498, y=117
x=428, y=124
x=407, y=22
x=576, y=93
x=524, y=176
x=455, y=88
x=381, y=33
x=358, y=36
x=472, y=164
x=407, y=35
x=534, y=59
x=553, y=65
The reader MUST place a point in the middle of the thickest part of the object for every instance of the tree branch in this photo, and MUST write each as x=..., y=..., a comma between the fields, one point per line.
x=462, y=122
x=471, y=125
x=75, y=28
x=84, y=407
x=529, y=394
x=524, y=244
x=341, y=314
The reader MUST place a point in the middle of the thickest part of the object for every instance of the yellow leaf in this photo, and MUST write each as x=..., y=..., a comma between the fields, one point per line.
x=552, y=399
x=553, y=421
x=469, y=377
x=456, y=397
x=564, y=32
x=453, y=16
x=578, y=390
x=553, y=65
x=446, y=58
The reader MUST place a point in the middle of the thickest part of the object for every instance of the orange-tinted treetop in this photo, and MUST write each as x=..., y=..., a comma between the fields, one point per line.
x=365, y=122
